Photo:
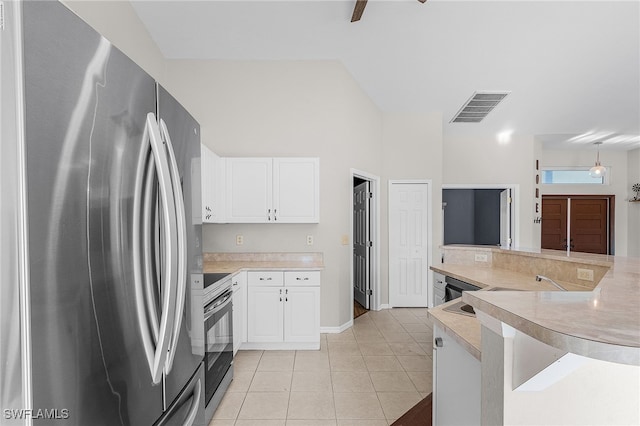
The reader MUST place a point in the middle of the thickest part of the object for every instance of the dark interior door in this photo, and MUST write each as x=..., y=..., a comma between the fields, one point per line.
x=361, y=246
x=589, y=223
x=554, y=223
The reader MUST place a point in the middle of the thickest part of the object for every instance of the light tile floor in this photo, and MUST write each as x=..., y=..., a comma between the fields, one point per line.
x=368, y=375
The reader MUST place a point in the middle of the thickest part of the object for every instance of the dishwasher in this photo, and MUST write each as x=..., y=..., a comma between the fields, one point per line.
x=455, y=287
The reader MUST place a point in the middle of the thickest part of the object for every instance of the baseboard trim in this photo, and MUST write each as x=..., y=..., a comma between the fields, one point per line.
x=339, y=329
x=279, y=346
x=384, y=306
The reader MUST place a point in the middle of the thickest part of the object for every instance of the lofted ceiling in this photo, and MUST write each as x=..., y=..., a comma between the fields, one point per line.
x=572, y=67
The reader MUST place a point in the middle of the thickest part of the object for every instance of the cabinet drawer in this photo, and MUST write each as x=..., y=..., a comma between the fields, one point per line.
x=266, y=278
x=302, y=278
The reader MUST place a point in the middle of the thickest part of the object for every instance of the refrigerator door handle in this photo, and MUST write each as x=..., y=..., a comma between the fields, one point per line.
x=156, y=349
x=182, y=245
x=149, y=259
x=139, y=258
x=168, y=229
x=193, y=411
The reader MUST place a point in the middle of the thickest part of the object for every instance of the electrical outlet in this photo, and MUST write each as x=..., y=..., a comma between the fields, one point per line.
x=239, y=240
x=481, y=257
x=585, y=274
x=309, y=240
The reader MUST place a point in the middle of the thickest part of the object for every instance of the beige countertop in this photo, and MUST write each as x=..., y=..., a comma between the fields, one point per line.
x=602, y=324
x=234, y=262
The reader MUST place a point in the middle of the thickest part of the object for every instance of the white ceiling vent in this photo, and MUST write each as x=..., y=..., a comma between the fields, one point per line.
x=478, y=106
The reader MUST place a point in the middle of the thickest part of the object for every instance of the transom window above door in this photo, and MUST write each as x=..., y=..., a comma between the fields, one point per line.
x=571, y=175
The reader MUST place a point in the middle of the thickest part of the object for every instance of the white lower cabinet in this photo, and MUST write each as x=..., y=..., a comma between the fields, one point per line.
x=456, y=382
x=439, y=285
x=282, y=316
x=239, y=286
x=266, y=314
x=302, y=314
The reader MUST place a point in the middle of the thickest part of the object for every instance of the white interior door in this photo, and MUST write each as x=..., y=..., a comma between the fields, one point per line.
x=361, y=244
x=408, y=244
x=506, y=201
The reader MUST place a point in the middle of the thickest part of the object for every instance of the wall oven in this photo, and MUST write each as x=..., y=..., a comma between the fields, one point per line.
x=218, y=341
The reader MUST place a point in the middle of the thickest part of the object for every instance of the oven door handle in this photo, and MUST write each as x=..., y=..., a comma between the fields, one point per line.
x=217, y=306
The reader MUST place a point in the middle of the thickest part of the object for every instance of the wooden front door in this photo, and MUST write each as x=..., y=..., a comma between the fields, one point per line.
x=589, y=225
x=554, y=223
x=587, y=220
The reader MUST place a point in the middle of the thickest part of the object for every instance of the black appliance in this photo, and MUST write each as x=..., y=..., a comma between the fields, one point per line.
x=218, y=339
x=455, y=287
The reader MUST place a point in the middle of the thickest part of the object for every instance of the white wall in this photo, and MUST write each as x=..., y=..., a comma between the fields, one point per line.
x=290, y=109
x=633, y=215
x=119, y=23
x=411, y=149
x=482, y=160
x=300, y=108
x=618, y=186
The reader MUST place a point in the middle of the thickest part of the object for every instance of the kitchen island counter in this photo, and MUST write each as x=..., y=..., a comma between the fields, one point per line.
x=603, y=323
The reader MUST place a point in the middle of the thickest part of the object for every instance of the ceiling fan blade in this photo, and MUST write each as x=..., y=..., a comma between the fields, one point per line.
x=358, y=10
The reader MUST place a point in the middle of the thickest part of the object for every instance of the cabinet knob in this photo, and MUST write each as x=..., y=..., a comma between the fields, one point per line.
x=302, y=279
x=438, y=341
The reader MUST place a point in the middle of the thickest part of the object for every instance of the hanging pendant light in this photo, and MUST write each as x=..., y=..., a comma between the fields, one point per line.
x=597, y=171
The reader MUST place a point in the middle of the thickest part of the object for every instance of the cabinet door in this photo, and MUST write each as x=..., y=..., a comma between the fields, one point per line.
x=212, y=171
x=302, y=314
x=456, y=378
x=217, y=178
x=265, y=314
x=249, y=190
x=438, y=289
x=296, y=190
x=239, y=286
x=206, y=171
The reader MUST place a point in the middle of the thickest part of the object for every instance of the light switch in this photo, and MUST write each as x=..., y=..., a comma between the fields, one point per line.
x=345, y=240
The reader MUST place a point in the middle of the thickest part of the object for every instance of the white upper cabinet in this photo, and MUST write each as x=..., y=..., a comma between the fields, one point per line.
x=296, y=190
x=272, y=190
x=213, y=197
x=249, y=190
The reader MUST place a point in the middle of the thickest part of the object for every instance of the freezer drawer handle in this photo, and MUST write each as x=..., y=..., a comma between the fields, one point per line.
x=193, y=411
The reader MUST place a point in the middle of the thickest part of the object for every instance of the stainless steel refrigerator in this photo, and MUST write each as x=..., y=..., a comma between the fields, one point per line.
x=98, y=241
